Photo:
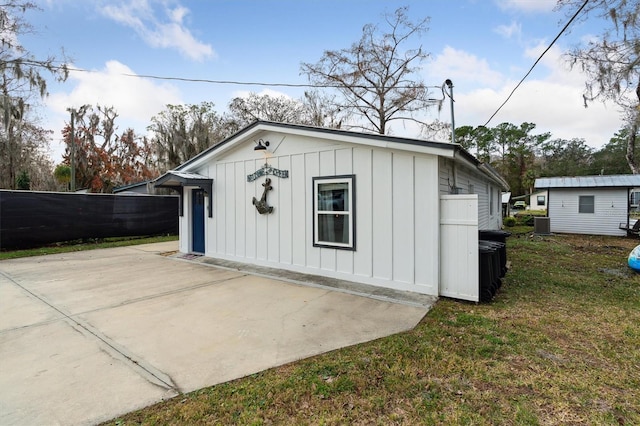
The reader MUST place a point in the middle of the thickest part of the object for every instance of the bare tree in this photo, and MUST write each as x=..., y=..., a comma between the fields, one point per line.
x=104, y=159
x=180, y=132
x=321, y=110
x=376, y=76
x=314, y=109
x=245, y=110
x=612, y=61
x=21, y=85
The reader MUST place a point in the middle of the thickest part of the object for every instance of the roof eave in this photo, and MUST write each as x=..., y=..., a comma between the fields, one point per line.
x=376, y=140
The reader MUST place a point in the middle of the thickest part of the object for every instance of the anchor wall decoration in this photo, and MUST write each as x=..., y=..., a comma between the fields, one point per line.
x=265, y=170
x=261, y=204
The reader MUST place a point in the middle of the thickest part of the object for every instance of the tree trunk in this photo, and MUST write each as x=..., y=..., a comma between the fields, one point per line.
x=631, y=148
x=12, y=176
x=631, y=142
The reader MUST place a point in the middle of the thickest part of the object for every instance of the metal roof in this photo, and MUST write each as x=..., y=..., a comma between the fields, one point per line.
x=366, y=138
x=613, y=181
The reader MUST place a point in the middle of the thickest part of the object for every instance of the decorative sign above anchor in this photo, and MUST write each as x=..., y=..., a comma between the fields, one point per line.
x=261, y=204
x=267, y=170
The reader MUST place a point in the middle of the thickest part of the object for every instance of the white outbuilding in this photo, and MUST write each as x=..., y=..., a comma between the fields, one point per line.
x=372, y=209
x=596, y=205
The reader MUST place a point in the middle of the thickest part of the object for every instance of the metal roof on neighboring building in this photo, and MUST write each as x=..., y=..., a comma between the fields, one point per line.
x=612, y=181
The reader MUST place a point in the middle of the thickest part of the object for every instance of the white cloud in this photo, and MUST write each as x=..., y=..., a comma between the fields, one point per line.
x=553, y=107
x=551, y=97
x=527, y=5
x=509, y=31
x=462, y=66
x=170, y=33
x=135, y=99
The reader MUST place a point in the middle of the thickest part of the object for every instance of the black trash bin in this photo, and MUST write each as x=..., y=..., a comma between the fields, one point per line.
x=500, y=237
x=485, y=270
x=500, y=257
x=494, y=235
x=495, y=261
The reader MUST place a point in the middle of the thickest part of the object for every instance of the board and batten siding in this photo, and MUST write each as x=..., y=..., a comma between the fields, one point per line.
x=610, y=209
x=469, y=182
x=396, y=217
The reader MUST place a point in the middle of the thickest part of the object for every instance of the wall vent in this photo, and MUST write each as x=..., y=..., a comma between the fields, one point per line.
x=542, y=225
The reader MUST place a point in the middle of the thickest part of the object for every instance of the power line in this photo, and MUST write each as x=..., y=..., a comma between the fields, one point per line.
x=66, y=68
x=575, y=15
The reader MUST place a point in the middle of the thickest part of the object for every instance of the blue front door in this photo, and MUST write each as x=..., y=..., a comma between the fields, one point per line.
x=197, y=228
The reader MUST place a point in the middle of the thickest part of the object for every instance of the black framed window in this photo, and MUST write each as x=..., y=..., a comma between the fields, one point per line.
x=586, y=204
x=334, y=212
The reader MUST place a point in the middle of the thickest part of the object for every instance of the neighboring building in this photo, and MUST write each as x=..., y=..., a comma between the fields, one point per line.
x=597, y=205
x=368, y=208
x=538, y=200
x=506, y=206
x=134, y=188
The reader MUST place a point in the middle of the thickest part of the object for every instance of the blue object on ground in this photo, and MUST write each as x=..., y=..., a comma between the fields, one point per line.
x=634, y=259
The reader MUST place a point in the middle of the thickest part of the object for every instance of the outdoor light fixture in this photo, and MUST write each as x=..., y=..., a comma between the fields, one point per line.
x=261, y=145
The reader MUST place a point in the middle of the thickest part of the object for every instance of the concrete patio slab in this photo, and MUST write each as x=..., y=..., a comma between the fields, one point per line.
x=88, y=336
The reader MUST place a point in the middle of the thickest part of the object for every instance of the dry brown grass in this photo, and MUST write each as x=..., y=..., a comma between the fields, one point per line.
x=560, y=345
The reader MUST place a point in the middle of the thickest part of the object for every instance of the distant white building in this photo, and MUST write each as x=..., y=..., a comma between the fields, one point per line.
x=596, y=205
x=538, y=200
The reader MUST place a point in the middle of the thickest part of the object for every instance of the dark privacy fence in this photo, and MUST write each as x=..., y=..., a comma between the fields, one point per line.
x=31, y=219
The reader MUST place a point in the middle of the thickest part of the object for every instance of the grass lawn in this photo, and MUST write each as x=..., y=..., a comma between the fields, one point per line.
x=560, y=344
x=79, y=246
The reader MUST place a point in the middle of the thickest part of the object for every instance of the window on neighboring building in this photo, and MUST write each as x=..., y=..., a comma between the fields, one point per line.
x=586, y=204
x=334, y=212
x=541, y=199
x=635, y=198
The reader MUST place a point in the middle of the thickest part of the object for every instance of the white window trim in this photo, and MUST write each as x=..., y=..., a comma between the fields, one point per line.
x=350, y=180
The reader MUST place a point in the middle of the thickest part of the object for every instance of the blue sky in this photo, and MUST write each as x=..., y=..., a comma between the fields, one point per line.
x=484, y=46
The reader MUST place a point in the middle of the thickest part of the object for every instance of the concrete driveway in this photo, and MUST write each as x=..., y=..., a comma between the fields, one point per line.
x=88, y=336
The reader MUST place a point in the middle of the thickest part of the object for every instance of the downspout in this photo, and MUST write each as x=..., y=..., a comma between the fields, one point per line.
x=629, y=205
x=455, y=178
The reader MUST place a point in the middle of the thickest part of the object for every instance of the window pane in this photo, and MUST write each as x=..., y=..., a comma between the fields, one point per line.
x=540, y=199
x=586, y=204
x=334, y=219
x=333, y=197
x=333, y=228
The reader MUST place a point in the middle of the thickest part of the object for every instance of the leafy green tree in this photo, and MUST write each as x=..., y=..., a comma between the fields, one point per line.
x=23, y=181
x=479, y=140
x=560, y=157
x=378, y=76
x=517, y=147
x=465, y=136
x=611, y=158
x=62, y=173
